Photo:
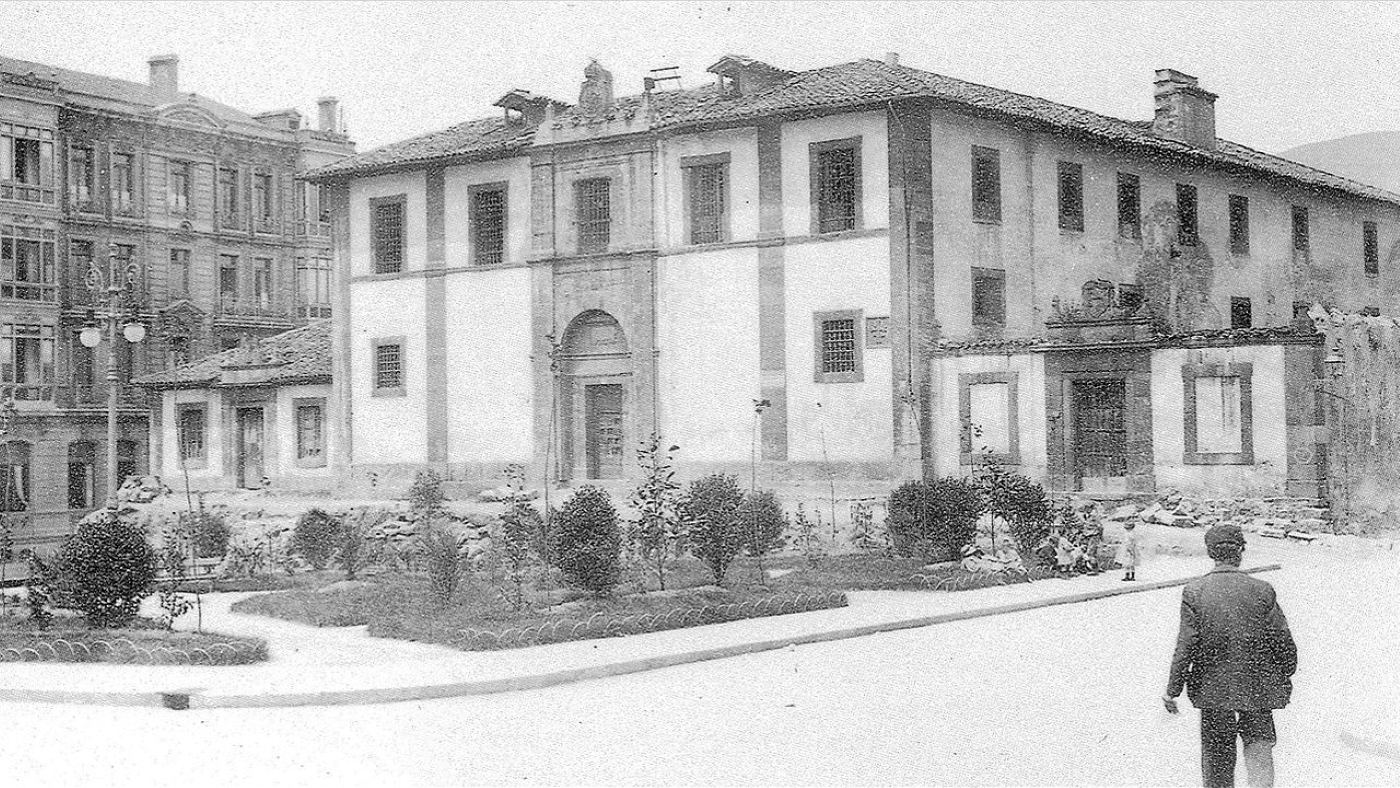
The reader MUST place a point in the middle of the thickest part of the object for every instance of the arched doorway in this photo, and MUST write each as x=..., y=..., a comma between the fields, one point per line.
x=595, y=396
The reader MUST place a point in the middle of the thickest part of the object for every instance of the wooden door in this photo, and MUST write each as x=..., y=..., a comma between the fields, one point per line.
x=1100, y=433
x=250, y=448
x=603, y=442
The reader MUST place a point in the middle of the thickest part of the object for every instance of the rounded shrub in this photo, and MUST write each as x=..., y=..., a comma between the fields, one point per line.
x=763, y=521
x=934, y=519
x=1022, y=505
x=717, y=530
x=588, y=541
x=316, y=537
x=105, y=569
x=211, y=533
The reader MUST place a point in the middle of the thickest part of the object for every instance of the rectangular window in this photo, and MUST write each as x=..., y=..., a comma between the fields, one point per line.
x=27, y=360
x=488, y=224
x=311, y=433
x=836, y=185
x=1218, y=422
x=388, y=367
x=1370, y=249
x=179, y=349
x=1241, y=313
x=1130, y=298
x=262, y=196
x=82, y=491
x=1071, y=190
x=123, y=182
x=229, y=208
x=14, y=476
x=27, y=263
x=387, y=233
x=192, y=427
x=1129, y=206
x=1239, y=224
x=262, y=282
x=180, y=273
x=180, y=178
x=707, y=200
x=986, y=184
x=314, y=286
x=593, y=214
x=988, y=298
x=839, y=347
x=83, y=173
x=228, y=277
x=84, y=361
x=26, y=163
x=1187, y=230
x=1300, y=228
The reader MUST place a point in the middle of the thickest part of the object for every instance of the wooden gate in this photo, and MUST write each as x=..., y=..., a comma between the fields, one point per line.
x=1100, y=433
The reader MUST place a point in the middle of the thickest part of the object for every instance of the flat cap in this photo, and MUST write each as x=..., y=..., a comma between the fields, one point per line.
x=1225, y=533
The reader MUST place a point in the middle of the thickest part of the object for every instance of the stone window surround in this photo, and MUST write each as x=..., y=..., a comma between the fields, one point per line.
x=400, y=390
x=818, y=376
x=1189, y=373
x=472, y=190
x=1013, y=443
x=814, y=151
x=688, y=162
x=181, y=409
x=298, y=403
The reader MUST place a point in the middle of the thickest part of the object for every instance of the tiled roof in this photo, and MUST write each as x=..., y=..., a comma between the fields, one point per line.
x=137, y=94
x=1258, y=335
x=302, y=355
x=862, y=82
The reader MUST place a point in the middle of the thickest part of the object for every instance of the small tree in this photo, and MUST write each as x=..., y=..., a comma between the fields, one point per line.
x=316, y=537
x=442, y=554
x=425, y=497
x=864, y=535
x=354, y=534
x=515, y=544
x=7, y=554
x=763, y=522
x=1017, y=502
x=808, y=536
x=105, y=569
x=588, y=541
x=657, y=526
x=38, y=591
x=715, y=529
x=210, y=532
x=934, y=519
x=174, y=549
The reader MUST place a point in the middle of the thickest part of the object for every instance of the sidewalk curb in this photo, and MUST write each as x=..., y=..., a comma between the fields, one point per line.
x=195, y=700
x=1371, y=746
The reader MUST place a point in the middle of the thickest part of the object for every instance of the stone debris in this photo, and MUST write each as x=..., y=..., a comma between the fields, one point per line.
x=504, y=495
x=141, y=489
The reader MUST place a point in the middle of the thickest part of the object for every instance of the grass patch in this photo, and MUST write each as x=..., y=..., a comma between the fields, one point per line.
x=874, y=572
x=144, y=642
x=278, y=581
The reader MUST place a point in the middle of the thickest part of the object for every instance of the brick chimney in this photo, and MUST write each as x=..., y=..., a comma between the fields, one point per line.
x=596, y=93
x=328, y=114
x=165, y=74
x=1184, y=111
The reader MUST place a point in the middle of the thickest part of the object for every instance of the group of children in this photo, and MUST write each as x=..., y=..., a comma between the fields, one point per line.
x=1072, y=556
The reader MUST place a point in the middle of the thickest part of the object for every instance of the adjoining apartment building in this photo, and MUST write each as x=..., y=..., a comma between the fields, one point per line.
x=863, y=269
x=200, y=196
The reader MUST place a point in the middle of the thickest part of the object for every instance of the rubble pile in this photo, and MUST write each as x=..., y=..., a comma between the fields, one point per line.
x=1278, y=516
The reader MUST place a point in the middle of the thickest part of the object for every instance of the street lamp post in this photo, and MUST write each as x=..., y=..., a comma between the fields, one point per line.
x=117, y=283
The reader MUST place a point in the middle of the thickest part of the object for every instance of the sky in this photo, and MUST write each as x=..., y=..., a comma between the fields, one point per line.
x=1287, y=74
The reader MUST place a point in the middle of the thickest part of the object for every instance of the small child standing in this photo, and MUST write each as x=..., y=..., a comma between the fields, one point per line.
x=1130, y=551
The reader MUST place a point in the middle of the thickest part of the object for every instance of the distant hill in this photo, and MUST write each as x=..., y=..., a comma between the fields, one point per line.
x=1372, y=158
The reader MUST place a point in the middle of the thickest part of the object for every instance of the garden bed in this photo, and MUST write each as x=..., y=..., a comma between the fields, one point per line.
x=143, y=643
x=403, y=608
x=877, y=572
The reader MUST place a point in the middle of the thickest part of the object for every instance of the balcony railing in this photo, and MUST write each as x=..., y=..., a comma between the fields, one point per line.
x=29, y=291
x=29, y=392
x=267, y=224
x=307, y=228
x=250, y=307
x=24, y=192
x=313, y=310
x=94, y=395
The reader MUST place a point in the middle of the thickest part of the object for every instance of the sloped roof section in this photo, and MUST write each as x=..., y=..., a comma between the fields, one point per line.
x=81, y=87
x=299, y=356
x=855, y=84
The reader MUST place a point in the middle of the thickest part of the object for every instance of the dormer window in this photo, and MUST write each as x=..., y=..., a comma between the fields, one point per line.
x=729, y=84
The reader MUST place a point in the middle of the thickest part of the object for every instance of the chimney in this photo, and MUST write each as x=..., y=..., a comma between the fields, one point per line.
x=891, y=58
x=596, y=93
x=1184, y=111
x=165, y=74
x=327, y=114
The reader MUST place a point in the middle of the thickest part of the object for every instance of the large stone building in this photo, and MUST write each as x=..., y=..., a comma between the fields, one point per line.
x=864, y=269
x=201, y=197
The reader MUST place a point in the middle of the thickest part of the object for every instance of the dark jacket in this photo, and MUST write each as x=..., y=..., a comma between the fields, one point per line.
x=1234, y=650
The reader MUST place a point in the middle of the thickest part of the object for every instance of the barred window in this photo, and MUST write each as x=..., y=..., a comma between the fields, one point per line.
x=988, y=297
x=386, y=218
x=191, y=426
x=986, y=184
x=1239, y=224
x=706, y=196
x=837, y=186
x=388, y=365
x=1071, y=180
x=310, y=432
x=488, y=223
x=839, y=345
x=1187, y=230
x=1300, y=228
x=1129, y=206
x=593, y=212
x=1370, y=249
